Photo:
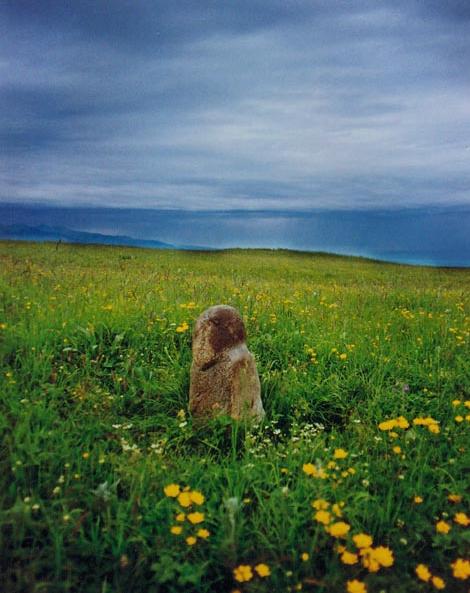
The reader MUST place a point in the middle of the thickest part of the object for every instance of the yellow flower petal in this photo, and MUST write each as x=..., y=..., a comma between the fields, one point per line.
x=263, y=570
x=195, y=518
x=172, y=490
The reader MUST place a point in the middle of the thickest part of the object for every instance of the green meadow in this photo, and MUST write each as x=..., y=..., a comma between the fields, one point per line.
x=357, y=480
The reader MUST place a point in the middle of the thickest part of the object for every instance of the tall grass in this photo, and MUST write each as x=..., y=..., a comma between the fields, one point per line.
x=94, y=424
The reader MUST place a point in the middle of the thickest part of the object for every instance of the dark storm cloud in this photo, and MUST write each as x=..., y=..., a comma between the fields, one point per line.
x=257, y=104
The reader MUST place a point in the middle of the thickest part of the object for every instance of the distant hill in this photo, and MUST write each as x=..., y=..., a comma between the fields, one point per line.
x=21, y=232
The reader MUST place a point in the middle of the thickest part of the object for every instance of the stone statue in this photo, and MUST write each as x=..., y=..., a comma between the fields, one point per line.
x=224, y=379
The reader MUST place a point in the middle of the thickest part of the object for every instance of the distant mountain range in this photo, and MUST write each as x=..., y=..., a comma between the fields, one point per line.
x=21, y=232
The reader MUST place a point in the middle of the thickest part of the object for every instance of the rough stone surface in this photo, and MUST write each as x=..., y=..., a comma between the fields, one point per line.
x=224, y=379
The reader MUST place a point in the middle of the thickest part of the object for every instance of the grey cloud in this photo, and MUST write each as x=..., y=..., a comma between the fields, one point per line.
x=266, y=104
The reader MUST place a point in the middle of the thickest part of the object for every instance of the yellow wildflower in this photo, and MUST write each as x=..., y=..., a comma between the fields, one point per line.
x=388, y=424
x=362, y=540
x=456, y=498
x=456, y=402
x=438, y=582
x=339, y=529
x=368, y=560
x=462, y=519
x=309, y=469
x=204, y=533
x=417, y=500
x=384, y=556
x=402, y=422
x=322, y=517
x=337, y=510
x=340, y=454
x=459, y=418
x=172, y=490
x=243, y=573
x=461, y=569
x=176, y=529
x=184, y=499
x=180, y=517
x=320, y=504
x=348, y=558
x=397, y=449
x=430, y=423
x=424, y=421
x=442, y=527
x=356, y=586
x=422, y=572
x=263, y=570
x=191, y=540
x=196, y=497
x=304, y=556
x=196, y=518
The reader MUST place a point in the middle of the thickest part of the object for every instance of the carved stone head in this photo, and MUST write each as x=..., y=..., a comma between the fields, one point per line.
x=218, y=329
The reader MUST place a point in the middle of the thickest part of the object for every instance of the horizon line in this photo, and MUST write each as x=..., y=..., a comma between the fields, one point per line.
x=313, y=210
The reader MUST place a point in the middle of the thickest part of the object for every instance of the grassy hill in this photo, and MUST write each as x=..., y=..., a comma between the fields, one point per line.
x=107, y=484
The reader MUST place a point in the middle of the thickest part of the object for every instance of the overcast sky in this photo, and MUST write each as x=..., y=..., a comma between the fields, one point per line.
x=251, y=104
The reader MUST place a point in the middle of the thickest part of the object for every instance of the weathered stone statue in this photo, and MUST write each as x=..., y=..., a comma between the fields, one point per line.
x=224, y=379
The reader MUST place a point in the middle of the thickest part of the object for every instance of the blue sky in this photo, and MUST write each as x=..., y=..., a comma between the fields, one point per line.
x=259, y=104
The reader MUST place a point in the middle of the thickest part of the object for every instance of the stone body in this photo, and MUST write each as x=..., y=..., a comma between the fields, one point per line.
x=224, y=379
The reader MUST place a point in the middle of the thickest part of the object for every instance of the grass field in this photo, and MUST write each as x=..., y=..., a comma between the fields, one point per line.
x=107, y=484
